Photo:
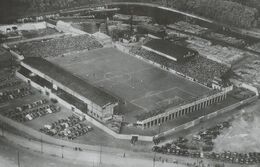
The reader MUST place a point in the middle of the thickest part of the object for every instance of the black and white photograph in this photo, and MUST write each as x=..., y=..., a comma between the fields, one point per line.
x=129, y=83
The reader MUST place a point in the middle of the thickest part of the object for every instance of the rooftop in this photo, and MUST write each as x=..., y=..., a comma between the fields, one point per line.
x=177, y=52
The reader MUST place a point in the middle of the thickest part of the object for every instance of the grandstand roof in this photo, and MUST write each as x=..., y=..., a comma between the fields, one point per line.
x=167, y=48
x=76, y=84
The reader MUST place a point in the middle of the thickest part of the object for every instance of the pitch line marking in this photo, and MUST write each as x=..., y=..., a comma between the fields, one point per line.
x=120, y=75
x=191, y=94
x=154, y=94
x=145, y=109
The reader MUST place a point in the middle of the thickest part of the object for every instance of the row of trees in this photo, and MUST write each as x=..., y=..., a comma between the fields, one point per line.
x=250, y=3
x=10, y=9
x=238, y=13
x=234, y=12
x=225, y=11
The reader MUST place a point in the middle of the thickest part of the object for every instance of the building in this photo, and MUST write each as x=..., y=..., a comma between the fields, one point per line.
x=64, y=86
x=151, y=30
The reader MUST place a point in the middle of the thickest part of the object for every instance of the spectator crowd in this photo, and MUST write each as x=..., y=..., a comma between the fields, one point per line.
x=56, y=46
x=199, y=68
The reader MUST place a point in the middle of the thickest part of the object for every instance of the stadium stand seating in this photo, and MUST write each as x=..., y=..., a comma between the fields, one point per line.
x=57, y=46
x=199, y=68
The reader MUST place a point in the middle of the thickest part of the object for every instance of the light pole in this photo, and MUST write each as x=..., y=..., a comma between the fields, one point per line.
x=41, y=145
x=154, y=156
x=18, y=159
x=100, y=155
x=2, y=127
x=62, y=152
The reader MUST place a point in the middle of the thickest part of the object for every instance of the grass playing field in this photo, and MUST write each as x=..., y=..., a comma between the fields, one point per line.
x=140, y=85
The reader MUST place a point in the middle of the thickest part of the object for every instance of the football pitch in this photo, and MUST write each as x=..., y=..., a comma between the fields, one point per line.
x=139, y=85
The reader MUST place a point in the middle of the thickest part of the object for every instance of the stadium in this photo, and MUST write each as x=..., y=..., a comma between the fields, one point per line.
x=128, y=81
x=144, y=86
x=133, y=86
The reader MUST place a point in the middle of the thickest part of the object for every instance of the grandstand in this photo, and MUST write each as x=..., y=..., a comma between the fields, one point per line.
x=149, y=29
x=55, y=46
x=55, y=80
x=198, y=68
x=169, y=50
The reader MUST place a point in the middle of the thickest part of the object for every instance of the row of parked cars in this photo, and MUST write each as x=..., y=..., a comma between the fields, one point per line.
x=175, y=150
x=24, y=107
x=15, y=94
x=28, y=115
x=181, y=147
x=6, y=78
x=69, y=128
x=32, y=105
x=234, y=157
x=14, y=91
x=231, y=157
x=211, y=133
x=9, y=84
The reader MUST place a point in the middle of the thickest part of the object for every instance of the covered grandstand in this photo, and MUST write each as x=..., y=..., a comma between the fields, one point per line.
x=98, y=103
x=169, y=50
x=198, y=69
x=152, y=30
